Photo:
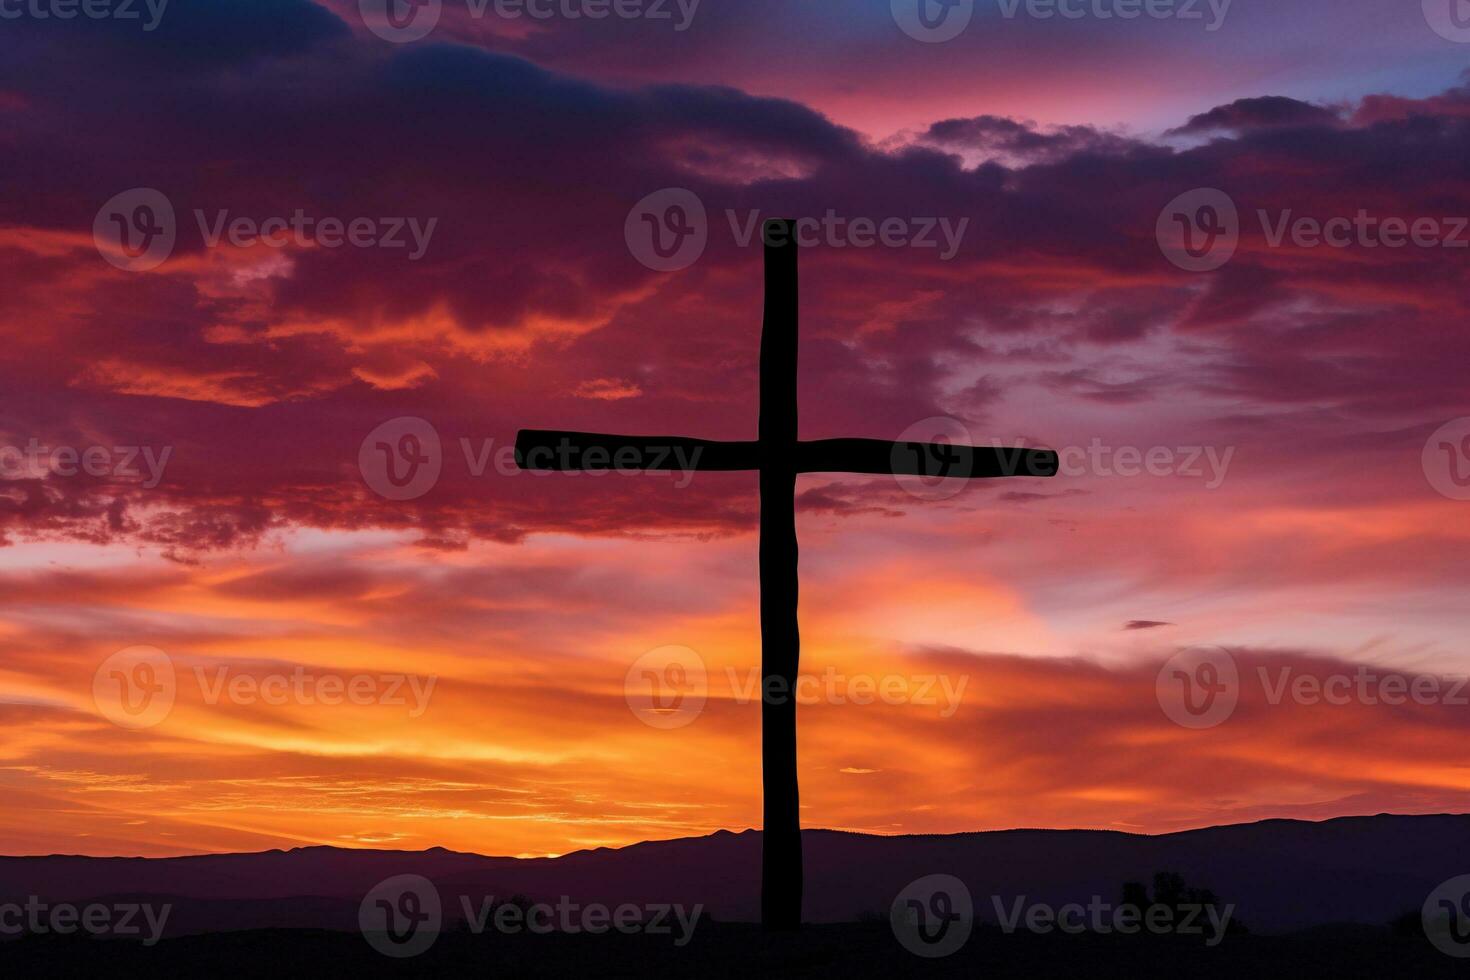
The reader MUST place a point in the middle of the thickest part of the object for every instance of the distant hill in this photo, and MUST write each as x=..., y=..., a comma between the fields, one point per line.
x=1282, y=875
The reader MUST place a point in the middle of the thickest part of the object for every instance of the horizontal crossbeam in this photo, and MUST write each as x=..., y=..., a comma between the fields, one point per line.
x=551, y=450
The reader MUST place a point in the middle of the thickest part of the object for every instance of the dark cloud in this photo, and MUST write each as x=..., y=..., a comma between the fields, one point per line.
x=1454, y=103
x=1258, y=113
x=1008, y=138
x=265, y=371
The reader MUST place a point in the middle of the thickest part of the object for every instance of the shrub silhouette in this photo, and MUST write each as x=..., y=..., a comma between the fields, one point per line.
x=1171, y=892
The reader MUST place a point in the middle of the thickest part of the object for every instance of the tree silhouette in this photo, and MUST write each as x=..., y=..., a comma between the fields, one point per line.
x=1171, y=892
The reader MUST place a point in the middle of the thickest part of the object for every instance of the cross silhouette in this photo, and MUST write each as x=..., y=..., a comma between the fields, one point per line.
x=779, y=456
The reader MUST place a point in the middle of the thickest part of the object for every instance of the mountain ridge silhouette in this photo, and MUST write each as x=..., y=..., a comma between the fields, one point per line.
x=1283, y=874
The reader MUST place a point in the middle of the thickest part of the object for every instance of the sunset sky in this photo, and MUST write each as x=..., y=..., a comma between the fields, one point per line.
x=1294, y=388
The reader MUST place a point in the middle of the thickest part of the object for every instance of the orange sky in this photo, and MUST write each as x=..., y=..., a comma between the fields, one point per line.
x=1033, y=707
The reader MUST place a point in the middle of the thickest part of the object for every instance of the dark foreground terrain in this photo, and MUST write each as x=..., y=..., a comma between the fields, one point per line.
x=728, y=950
x=1340, y=898
x=1283, y=876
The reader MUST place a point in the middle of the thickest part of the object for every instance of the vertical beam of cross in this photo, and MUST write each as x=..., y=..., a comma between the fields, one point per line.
x=779, y=457
x=781, y=870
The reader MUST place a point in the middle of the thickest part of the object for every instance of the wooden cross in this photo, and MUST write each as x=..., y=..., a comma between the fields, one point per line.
x=778, y=456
